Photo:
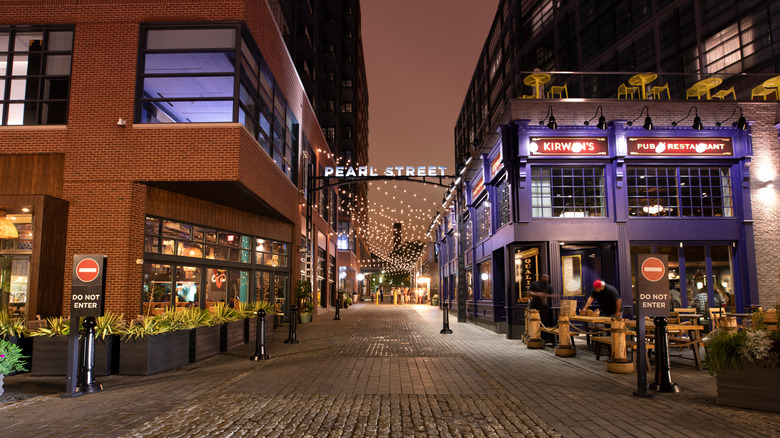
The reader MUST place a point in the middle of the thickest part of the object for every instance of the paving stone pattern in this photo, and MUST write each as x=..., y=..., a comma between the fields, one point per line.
x=382, y=371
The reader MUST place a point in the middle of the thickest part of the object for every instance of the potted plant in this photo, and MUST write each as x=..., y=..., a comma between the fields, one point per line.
x=306, y=310
x=435, y=300
x=204, y=335
x=50, y=348
x=11, y=361
x=154, y=345
x=303, y=297
x=231, y=322
x=347, y=301
x=746, y=364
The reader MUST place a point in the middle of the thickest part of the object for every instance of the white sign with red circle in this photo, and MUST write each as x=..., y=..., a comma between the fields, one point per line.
x=87, y=270
x=653, y=269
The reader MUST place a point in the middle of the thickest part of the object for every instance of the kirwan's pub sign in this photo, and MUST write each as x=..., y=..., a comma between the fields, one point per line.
x=550, y=146
x=680, y=146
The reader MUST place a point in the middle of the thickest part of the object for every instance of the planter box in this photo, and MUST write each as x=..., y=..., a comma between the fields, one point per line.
x=231, y=335
x=204, y=342
x=753, y=387
x=50, y=356
x=154, y=354
x=250, y=327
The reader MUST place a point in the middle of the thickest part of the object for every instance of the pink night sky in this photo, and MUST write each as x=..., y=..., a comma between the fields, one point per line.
x=420, y=56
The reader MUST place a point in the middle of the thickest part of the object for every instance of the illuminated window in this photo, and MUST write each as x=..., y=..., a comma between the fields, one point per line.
x=502, y=203
x=35, y=76
x=568, y=192
x=679, y=192
x=482, y=220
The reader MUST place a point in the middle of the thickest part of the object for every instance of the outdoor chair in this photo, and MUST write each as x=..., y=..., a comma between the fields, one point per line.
x=624, y=90
x=656, y=91
x=722, y=94
x=560, y=91
x=761, y=91
x=696, y=91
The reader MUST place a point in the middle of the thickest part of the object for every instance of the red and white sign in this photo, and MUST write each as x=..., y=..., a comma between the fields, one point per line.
x=653, y=269
x=87, y=270
x=680, y=146
x=478, y=185
x=567, y=146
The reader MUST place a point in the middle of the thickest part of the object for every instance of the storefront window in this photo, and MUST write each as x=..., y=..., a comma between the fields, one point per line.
x=216, y=286
x=482, y=220
x=502, y=203
x=15, y=257
x=672, y=255
x=469, y=284
x=188, y=286
x=722, y=277
x=568, y=192
x=156, y=287
x=184, y=240
x=263, y=285
x=679, y=191
x=696, y=278
x=485, y=280
x=467, y=237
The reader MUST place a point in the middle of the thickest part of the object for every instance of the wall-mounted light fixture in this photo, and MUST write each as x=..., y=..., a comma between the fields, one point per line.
x=696, y=119
x=552, y=124
x=741, y=122
x=648, y=121
x=7, y=227
x=602, y=124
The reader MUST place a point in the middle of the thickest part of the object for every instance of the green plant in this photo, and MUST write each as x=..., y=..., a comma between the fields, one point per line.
x=12, y=325
x=11, y=359
x=194, y=318
x=55, y=326
x=723, y=351
x=221, y=314
x=245, y=309
x=347, y=300
x=303, y=290
x=264, y=305
x=109, y=324
x=147, y=327
x=307, y=307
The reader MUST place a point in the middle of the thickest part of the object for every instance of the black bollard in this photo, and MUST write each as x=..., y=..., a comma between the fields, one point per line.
x=87, y=382
x=338, y=305
x=446, y=323
x=260, y=353
x=663, y=374
x=293, y=338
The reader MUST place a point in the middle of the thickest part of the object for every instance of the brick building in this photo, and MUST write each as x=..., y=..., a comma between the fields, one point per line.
x=169, y=136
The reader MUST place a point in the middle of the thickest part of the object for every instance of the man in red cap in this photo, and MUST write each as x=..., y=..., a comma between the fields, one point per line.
x=608, y=298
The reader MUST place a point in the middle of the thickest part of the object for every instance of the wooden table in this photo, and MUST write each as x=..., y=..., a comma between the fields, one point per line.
x=641, y=80
x=692, y=316
x=708, y=84
x=537, y=80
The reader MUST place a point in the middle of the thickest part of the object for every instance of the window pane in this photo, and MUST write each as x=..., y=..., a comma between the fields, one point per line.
x=54, y=113
x=187, y=111
x=57, y=65
x=220, y=62
x=4, y=39
x=183, y=87
x=188, y=284
x=32, y=41
x=60, y=41
x=164, y=39
x=55, y=88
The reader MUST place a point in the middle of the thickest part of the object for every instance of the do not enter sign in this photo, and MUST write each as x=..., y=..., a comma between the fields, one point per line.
x=653, y=269
x=87, y=270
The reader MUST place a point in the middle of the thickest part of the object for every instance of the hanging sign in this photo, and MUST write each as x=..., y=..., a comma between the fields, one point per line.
x=478, y=185
x=567, y=146
x=495, y=164
x=350, y=171
x=680, y=146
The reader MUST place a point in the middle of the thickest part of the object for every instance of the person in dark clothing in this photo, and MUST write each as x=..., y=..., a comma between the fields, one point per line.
x=608, y=297
x=540, y=292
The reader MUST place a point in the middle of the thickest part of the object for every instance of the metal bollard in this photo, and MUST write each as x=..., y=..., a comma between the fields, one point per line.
x=87, y=382
x=445, y=330
x=292, y=338
x=260, y=353
x=663, y=373
x=338, y=305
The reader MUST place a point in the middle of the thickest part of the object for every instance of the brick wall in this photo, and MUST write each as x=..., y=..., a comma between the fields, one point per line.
x=106, y=166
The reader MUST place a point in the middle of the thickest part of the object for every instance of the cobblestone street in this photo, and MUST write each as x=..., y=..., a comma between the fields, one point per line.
x=381, y=371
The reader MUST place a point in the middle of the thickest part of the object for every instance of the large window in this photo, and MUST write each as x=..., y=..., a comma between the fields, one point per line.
x=209, y=74
x=502, y=203
x=482, y=220
x=35, y=76
x=679, y=191
x=570, y=192
x=485, y=280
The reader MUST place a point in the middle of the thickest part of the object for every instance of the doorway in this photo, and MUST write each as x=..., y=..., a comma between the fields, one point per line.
x=584, y=262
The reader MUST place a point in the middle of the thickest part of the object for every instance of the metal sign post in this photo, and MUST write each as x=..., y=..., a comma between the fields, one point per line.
x=652, y=300
x=87, y=290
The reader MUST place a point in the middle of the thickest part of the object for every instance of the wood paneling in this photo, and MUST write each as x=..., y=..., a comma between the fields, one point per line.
x=37, y=174
x=187, y=209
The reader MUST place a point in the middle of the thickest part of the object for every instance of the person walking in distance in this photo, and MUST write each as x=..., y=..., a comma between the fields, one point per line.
x=541, y=292
x=608, y=297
